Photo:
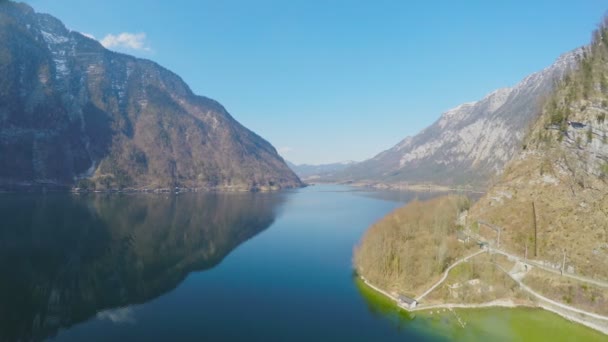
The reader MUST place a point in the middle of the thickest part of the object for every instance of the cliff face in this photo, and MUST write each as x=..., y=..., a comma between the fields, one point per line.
x=553, y=197
x=72, y=110
x=469, y=144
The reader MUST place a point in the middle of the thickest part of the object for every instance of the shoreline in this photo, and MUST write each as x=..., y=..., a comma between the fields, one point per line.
x=54, y=188
x=402, y=186
x=500, y=303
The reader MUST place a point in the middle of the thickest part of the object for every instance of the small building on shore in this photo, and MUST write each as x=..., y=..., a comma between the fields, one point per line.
x=407, y=301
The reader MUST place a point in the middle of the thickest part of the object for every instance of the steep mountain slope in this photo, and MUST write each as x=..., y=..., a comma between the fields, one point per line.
x=312, y=172
x=553, y=197
x=468, y=144
x=72, y=110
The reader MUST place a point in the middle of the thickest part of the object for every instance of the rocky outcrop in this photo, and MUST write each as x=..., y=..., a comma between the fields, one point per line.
x=552, y=198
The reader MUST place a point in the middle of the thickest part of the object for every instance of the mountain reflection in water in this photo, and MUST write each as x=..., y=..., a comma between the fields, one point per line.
x=65, y=258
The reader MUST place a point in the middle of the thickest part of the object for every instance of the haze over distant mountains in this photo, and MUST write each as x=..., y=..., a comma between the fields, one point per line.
x=70, y=110
x=468, y=144
x=312, y=172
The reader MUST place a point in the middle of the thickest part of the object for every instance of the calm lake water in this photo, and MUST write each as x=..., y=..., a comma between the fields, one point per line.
x=260, y=267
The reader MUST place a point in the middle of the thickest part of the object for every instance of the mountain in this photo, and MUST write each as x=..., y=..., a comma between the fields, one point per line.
x=544, y=221
x=553, y=197
x=312, y=172
x=468, y=144
x=73, y=113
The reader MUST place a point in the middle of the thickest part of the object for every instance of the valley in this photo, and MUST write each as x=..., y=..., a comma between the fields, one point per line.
x=134, y=208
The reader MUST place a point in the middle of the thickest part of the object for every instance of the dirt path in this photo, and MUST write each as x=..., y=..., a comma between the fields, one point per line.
x=447, y=271
x=584, y=279
x=569, y=312
x=548, y=269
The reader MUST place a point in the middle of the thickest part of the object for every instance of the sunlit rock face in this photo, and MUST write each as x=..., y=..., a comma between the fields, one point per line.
x=468, y=144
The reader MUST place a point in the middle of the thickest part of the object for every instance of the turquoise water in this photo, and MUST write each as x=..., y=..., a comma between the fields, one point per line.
x=260, y=267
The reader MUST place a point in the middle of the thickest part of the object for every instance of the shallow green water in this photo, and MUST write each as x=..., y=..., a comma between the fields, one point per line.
x=215, y=267
x=487, y=324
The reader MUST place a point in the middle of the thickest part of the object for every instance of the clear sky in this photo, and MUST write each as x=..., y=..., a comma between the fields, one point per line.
x=335, y=80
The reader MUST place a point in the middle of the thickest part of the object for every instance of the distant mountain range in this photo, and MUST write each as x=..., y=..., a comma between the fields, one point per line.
x=73, y=113
x=467, y=145
x=312, y=172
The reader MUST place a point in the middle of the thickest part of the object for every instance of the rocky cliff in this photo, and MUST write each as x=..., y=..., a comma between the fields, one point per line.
x=75, y=114
x=468, y=144
x=553, y=197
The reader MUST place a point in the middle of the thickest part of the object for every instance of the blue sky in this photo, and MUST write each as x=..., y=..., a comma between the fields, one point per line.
x=328, y=81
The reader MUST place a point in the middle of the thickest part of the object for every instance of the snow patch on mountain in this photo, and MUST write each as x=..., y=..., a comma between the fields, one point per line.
x=53, y=38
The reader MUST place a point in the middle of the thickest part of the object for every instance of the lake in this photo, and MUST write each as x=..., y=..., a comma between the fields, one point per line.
x=243, y=266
